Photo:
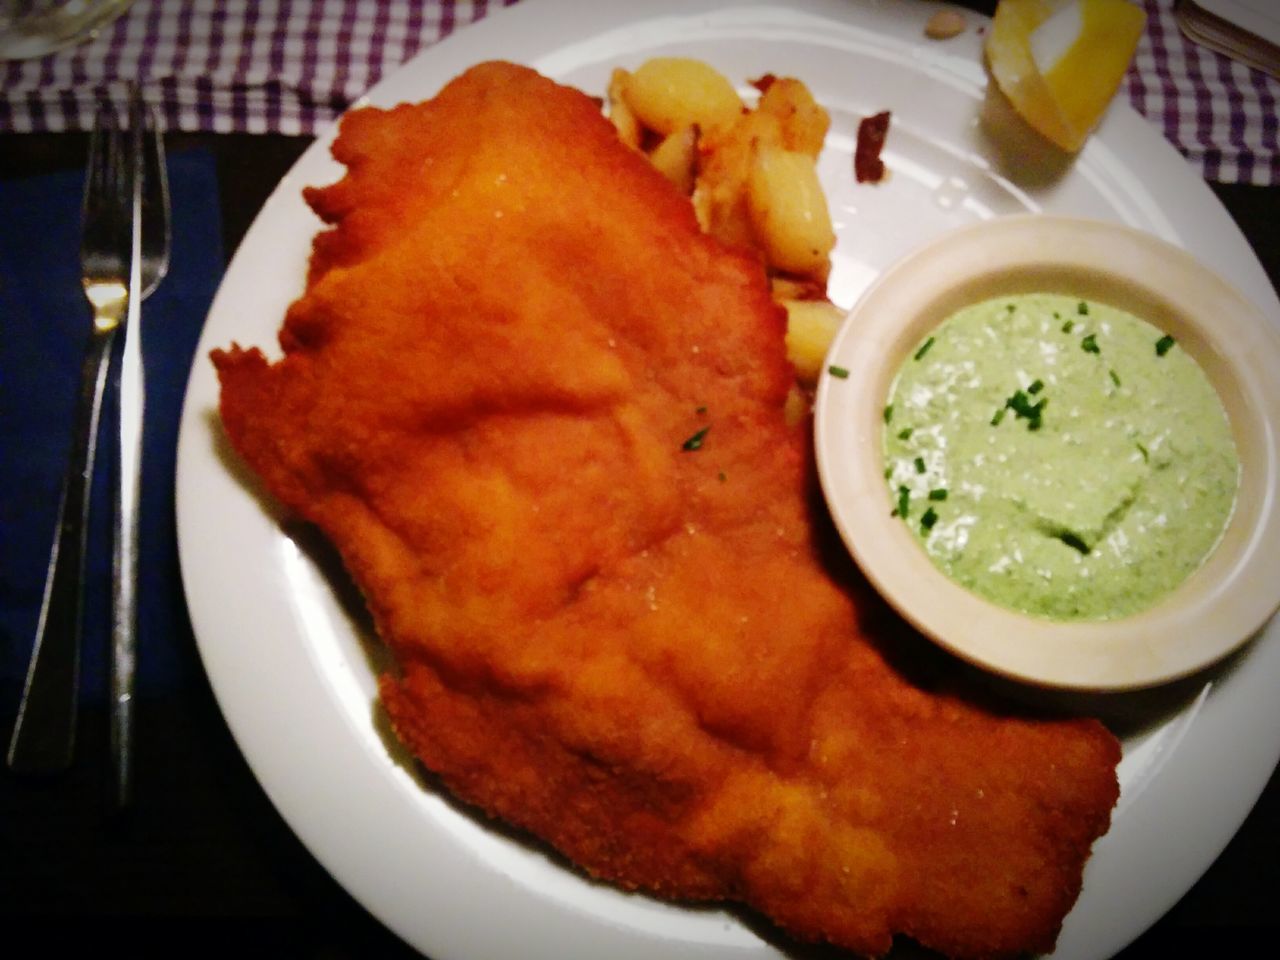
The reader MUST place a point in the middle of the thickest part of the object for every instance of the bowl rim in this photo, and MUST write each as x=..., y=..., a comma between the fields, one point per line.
x=1219, y=607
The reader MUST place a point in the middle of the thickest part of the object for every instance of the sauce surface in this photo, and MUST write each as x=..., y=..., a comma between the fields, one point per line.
x=1060, y=457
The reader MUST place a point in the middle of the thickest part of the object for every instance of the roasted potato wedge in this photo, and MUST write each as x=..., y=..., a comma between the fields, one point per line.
x=670, y=93
x=789, y=211
x=804, y=122
x=676, y=157
x=811, y=325
x=624, y=118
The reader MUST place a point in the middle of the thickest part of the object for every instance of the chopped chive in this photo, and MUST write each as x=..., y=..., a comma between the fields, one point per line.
x=723, y=476
x=701, y=410
x=1036, y=387
x=924, y=348
x=939, y=494
x=1009, y=307
x=1082, y=308
x=1090, y=344
x=840, y=372
x=1068, y=326
x=1023, y=408
x=929, y=519
x=904, y=503
x=1146, y=457
x=695, y=442
x=1164, y=345
x=888, y=472
x=919, y=462
x=904, y=434
x=1115, y=377
x=1074, y=542
x=888, y=413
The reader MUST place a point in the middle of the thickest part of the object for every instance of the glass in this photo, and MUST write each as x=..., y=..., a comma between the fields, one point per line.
x=33, y=28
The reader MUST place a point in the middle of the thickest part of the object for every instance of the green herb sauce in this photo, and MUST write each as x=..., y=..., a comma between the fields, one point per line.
x=1088, y=468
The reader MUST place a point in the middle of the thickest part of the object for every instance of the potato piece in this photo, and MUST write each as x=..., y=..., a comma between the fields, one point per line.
x=670, y=93
x=811, y=325
x=804, y=122
x=676, y=158
x=796, y=288
x=620, y=112
x=750, y=173
x=725, y=159
x=797, y=407
x=789, y=212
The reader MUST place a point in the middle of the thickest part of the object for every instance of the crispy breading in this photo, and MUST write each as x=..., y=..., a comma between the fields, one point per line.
x=540, y=415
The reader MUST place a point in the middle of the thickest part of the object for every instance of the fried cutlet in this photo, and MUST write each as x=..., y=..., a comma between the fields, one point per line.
x=541, y=417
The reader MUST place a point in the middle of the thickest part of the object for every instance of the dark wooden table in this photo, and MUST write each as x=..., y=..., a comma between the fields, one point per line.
x=205, y=866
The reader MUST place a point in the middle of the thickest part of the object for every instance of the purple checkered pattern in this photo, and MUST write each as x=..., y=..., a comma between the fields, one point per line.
x=1222, y=115
x=278, y=66
x=291, y=66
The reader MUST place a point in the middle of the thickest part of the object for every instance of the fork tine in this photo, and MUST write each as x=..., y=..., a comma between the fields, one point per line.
x=95, y=168
x=98, y=183
x=105, y=231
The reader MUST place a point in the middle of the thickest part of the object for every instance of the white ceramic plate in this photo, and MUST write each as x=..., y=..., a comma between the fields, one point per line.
x=294, y=672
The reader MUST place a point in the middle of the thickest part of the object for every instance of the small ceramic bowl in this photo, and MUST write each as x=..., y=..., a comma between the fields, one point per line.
x=1214, y=611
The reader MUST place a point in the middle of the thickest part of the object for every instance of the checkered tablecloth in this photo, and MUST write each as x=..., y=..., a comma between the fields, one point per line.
x=291, y=66
x=274, y=66
x=1223, y=116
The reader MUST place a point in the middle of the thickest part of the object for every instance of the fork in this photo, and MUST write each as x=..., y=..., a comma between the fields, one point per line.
x=44, y=734
x=151, y=254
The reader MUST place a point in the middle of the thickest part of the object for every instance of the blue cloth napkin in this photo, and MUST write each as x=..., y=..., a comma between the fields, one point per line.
x=44, y=326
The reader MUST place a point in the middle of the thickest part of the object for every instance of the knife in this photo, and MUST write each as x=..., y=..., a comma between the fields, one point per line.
x=124, y=568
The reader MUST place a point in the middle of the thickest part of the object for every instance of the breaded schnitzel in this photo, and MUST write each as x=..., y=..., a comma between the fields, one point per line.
x=540, y=415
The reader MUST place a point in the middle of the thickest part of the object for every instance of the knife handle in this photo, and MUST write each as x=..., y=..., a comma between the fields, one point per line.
x=124, y=597
x=44, y=736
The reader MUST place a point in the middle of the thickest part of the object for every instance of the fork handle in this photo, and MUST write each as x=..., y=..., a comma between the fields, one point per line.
x=44, y=735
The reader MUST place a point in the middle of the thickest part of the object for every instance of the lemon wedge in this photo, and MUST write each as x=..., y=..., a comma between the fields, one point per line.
x=1060, y=62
